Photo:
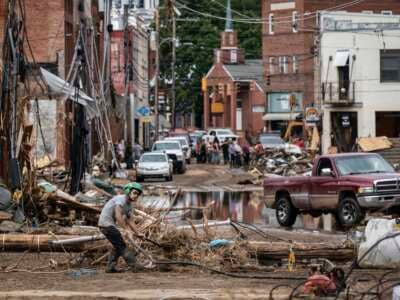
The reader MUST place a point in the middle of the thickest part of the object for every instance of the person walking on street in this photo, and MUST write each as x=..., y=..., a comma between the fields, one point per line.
x=117, y=211
x=246, y=153
x=237, y=154
x=215, y=151
x=225, y=151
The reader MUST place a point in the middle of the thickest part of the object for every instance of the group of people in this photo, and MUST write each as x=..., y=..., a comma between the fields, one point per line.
x=234, y=152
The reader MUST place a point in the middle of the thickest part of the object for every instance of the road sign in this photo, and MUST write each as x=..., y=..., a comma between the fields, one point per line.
x=144, y=111
x=146, y=119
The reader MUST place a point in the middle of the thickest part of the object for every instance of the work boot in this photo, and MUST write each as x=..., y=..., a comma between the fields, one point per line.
x=130, y=259
x=112, y=263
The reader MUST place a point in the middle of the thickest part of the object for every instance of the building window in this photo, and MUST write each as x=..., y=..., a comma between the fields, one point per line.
x=272, y=63
x=369, y=12
x=234, y=59
x=295, y=21
x=295, y=64
x=390, y=62
x=387, y=12
x=271, y=23
x=285, y=65
x=280, y=64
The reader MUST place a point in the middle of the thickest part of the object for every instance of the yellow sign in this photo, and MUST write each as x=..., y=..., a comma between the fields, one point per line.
x=204, y=84
x=217, y=108
x=146, y=119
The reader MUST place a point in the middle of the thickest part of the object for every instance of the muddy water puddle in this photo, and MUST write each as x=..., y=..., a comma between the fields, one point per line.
x=245, y=207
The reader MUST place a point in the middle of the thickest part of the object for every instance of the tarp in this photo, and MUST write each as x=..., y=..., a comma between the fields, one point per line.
x=368, y=144
x=341, y=58
x=60, y=86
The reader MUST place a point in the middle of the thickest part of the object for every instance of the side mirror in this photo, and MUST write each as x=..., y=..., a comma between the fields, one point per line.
x=396, y=167
x=327, y=172
x=136, y=162
x=170, y=161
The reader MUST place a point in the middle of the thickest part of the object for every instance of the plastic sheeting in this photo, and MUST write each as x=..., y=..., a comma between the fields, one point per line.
x=387, y=253
x=60, y=86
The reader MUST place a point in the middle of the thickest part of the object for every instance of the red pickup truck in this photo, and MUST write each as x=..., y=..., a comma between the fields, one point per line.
x=346, y=185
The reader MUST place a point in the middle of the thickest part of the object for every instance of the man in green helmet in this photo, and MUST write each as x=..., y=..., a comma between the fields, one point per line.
x=117, y=212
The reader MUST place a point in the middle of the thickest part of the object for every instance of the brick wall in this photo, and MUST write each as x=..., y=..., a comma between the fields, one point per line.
x=284, y=42
x=45, y=27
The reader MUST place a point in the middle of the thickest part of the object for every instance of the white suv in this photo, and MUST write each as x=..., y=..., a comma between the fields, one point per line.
x=185, y=146
x=174, y=151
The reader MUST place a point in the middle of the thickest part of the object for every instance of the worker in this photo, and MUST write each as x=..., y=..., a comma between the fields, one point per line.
x=117, y=211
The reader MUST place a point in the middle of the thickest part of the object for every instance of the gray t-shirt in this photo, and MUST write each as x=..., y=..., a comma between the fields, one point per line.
x=107, y=216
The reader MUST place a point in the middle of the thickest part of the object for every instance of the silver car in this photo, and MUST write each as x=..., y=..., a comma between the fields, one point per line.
x=154, y=165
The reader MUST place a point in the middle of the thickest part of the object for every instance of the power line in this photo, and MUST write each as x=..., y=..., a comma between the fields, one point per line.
x=306, y=16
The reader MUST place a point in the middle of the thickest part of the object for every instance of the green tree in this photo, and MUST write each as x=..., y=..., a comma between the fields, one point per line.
x=198, y=36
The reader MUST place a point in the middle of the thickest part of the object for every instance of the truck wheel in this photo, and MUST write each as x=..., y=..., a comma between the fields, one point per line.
x=286, y=213
x=349, y=212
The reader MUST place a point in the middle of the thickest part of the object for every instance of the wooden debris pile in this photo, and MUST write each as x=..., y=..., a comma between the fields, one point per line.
x=283, y=162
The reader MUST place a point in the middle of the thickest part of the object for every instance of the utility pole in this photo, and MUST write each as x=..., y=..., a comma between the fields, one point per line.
x=157, y=42
x=173, y=63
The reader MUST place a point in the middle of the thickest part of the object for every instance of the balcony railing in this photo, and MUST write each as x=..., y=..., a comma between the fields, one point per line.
x=338, y=92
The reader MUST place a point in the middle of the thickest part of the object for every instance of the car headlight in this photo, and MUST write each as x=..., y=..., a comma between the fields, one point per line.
x=368, y=189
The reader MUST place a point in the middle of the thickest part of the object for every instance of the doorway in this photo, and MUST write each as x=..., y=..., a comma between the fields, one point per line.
x=344, y=131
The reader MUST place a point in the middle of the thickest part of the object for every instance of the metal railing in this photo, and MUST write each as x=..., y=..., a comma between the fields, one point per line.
x=338, y=92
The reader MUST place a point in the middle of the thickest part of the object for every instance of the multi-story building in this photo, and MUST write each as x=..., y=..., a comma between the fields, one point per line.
x=140, y=68
x=290, y=52
x=359, y=77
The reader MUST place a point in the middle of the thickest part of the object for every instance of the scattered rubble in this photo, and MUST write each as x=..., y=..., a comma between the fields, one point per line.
x=282, y=162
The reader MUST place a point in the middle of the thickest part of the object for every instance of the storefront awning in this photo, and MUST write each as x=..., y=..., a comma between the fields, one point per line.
x=341, y=58
x=280, y=116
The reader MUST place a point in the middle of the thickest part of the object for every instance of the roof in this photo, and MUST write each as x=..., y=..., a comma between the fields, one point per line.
x=250, y=70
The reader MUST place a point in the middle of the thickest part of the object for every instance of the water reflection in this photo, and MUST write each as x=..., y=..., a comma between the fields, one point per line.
x=245, y=207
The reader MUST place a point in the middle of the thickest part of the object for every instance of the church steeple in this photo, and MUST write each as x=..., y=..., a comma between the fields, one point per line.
x=228, y=23
x=229, y=52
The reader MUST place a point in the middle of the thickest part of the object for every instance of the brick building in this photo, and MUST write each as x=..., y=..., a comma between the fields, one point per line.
x=233, y=94
x=290, y=55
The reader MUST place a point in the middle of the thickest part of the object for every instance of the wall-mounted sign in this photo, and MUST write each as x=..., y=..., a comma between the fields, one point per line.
x=217, y=108
x=345, y=121
x=312, y=115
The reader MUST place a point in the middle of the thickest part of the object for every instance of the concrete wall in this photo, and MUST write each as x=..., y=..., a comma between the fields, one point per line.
x=371, y=95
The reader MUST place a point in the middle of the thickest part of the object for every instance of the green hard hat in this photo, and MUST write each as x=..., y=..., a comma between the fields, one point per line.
x=132, y=186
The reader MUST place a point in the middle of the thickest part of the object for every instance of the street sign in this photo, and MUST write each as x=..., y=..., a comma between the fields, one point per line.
x=144, y=111
x=146, y=119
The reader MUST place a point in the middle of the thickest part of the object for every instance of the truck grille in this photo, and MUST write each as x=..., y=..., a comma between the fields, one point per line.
x=172, y=156
x=387, y=185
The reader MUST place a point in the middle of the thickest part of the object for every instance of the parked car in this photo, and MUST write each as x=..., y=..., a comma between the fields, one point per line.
x=221, y=133
x=174, y=151
x=271, y=140
x=184, y=144
x=347, y=185
x=180, y=133
x=154, y=165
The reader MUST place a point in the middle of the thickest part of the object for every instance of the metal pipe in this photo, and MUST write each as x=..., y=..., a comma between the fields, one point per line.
x=83, y=239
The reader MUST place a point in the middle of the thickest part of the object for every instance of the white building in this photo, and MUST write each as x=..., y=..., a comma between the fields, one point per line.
x=359, y=77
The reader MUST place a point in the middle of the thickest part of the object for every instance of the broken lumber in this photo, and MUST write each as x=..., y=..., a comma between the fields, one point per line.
x=71, y=201
x=38, y=243
x=280, y=250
